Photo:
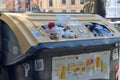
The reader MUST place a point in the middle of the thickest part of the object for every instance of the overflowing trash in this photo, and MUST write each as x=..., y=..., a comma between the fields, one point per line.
x=65, y=27
x=60, y=29
x=54, y=31
x=98, y=30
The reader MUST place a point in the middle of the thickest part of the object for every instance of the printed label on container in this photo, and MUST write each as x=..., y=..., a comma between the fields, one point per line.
x=36, y=34
x=39, y=64
x=77, y=67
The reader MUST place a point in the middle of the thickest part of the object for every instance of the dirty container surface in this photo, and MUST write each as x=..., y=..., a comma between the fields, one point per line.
x=49, y=46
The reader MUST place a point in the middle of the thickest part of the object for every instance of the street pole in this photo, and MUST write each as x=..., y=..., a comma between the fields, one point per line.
x=30, y=5
x=119, y=63
x=100, y=8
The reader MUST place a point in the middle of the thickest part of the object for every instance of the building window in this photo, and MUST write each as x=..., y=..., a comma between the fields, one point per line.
x=73, y=11
x=40, y=3
x=82, y=1
x=50, y=2
x=2, y=1
x=72, y=2
x=50, y=10
x=63, y=2
x=118, y=2
x=81, y=11
x=63, y=11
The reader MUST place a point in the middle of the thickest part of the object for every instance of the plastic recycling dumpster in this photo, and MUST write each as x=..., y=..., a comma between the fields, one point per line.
x=51, y=46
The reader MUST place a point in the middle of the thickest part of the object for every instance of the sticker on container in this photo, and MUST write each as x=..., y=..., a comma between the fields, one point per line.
x=26, y=68
x=115, y=54
x=36, y=34
x=75, y=67
x=15, y=50
x=39, y=64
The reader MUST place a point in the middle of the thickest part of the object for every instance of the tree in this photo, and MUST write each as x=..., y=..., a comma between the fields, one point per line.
x=95, y=6
x=100, y=8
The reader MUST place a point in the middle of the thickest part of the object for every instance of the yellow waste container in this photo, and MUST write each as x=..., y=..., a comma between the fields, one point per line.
x=52, y=46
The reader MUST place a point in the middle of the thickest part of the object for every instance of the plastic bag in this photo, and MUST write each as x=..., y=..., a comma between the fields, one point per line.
x=98, y=30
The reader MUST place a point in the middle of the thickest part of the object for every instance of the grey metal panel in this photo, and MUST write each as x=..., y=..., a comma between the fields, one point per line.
x=11, y=49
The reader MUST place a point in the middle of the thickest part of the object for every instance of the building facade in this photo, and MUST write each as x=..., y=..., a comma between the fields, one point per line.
x=113, y=9
x=60, y=5
x=17, y=5
x=2, y=5
x=46, y=5
x=10, y=5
